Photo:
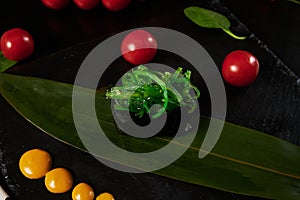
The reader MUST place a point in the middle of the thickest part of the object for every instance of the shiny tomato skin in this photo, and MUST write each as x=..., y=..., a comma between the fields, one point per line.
x=115, y=5
x=17, y=44
x=138, y=47
x=55, y=4
x=86, y=4
x=240, y=68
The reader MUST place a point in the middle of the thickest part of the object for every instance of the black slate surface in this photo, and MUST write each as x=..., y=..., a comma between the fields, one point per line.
x=269, y=105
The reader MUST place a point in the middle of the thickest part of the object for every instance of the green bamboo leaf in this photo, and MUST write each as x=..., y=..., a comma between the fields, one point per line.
x=209, y=19
x=5, y=63
x=295, y=1
x=244, y=161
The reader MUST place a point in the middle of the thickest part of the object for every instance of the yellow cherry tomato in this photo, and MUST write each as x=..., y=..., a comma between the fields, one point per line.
x=105, y=196
x=83, y=191
x=35, y=163
x=58, y=180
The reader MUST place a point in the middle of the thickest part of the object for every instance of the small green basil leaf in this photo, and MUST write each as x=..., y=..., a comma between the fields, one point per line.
x=209, y=19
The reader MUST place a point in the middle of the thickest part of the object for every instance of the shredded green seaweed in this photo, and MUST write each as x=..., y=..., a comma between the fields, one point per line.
x=143, y=89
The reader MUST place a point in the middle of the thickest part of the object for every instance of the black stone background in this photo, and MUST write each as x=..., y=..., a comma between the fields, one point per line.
x=64, y=37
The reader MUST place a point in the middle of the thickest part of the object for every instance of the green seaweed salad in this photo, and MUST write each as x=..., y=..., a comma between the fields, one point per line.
x=142, y=90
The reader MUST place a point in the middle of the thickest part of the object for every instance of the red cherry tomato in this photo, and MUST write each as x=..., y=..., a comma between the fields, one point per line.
x=240, y=68
x=55, y=4
x=138, y=47
x=17, y=44
x=86, y=4
x=115, y=5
